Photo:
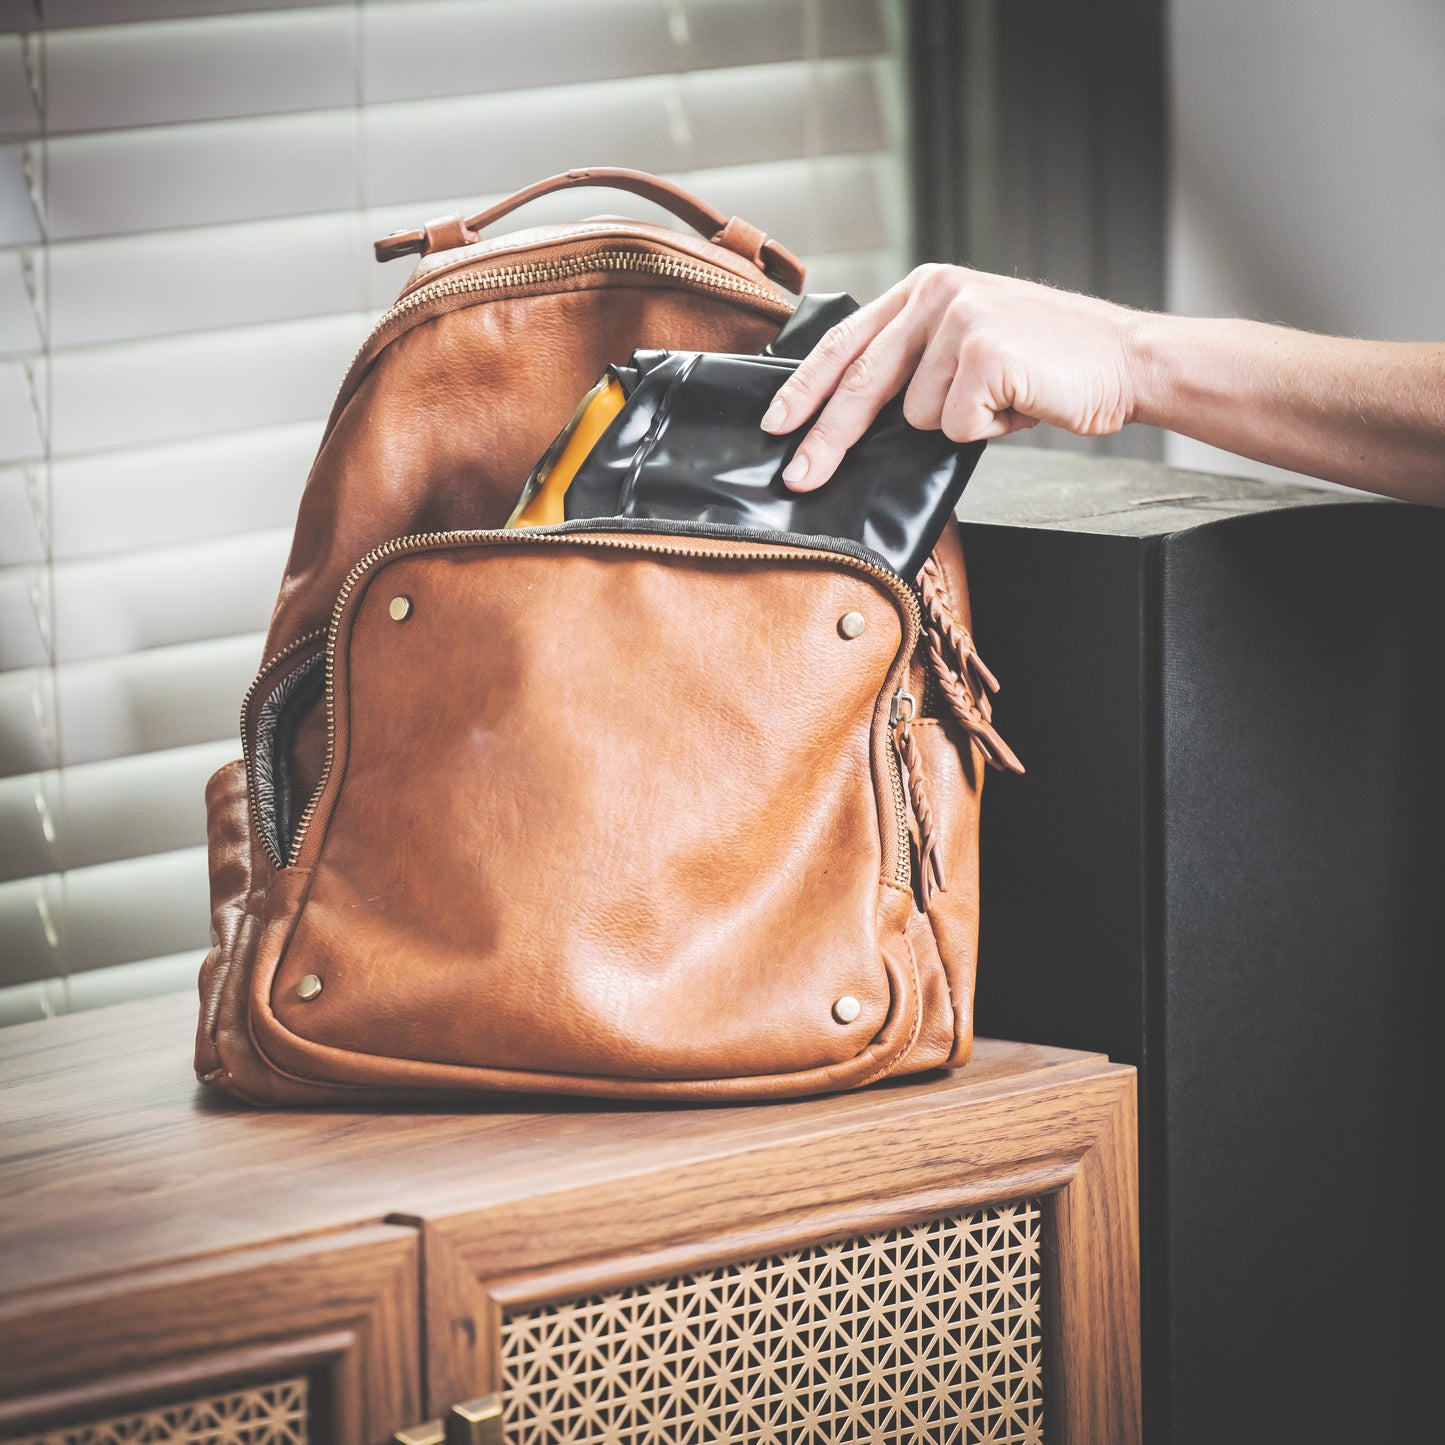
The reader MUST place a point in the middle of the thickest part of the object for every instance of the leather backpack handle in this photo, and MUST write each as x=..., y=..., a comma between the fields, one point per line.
x=774, y=259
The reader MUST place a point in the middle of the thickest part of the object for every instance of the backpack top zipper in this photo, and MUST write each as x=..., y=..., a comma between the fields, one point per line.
x=482, y=281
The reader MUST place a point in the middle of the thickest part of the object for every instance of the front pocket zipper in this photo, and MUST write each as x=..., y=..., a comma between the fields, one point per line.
x=587, y=535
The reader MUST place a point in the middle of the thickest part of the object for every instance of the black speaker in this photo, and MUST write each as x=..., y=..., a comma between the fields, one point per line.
x=1225, y=866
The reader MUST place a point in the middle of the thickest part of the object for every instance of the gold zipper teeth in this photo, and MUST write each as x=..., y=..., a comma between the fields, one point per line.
x=421, y=541
x=247, y=746
x=641, y=261
x=504, y=276
x=901, y=867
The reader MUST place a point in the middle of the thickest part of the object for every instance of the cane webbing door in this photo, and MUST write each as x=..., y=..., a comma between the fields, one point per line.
x=275, y=1413
x=927, y=1332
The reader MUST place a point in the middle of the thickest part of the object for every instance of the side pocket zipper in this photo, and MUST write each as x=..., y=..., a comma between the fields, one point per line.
x=901, y=713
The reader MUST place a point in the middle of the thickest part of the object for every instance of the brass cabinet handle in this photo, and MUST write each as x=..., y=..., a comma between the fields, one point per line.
x=473, y=1422
x=429, y=1432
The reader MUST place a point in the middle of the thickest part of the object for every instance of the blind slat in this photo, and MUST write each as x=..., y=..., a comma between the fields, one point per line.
x=61, y=14
x=21, y=517
x=756, y=32
x=132, y=601
x=19, y=223
x=101, y=812
x=220, y=171
x=18, y=113
x=116, y=289
x=170, y=697
x=21, y=396
x=19, y=320
x=112, y=913
x=196, y=175
x=864, y=276
x=230, y=482
x=197, y=385
x=127, y=288
x=156, y=496
x=668, y=124
x=46, y=998
x=450, y=47
x=198, y=68
x=119, y=76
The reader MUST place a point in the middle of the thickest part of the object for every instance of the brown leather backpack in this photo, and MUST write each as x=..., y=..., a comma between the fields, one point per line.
x=615, y=812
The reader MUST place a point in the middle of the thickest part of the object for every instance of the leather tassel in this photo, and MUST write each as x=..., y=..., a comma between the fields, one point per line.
x=937, y=605
x=963, y=677
x=972, y=719
x=930, y=865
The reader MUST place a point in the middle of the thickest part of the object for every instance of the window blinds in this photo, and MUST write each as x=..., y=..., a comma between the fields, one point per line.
x=188, y=192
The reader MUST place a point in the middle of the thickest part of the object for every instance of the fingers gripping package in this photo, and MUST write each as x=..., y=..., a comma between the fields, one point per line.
x=668, y=789
x=675, y=437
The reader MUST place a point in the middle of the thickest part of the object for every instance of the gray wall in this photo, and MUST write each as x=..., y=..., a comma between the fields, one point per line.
x=1307, y=170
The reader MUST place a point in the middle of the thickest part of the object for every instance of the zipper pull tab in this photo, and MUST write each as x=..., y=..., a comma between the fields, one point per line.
x=901, y=712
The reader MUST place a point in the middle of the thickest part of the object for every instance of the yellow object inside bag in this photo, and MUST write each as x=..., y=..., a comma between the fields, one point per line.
x=541, y=501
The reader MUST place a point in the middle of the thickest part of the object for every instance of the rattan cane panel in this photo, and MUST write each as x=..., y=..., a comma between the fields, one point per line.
x=272, y=1414
x=929, y=1334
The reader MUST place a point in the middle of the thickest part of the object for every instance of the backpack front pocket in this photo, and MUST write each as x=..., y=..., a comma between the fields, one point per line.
x=603, y=807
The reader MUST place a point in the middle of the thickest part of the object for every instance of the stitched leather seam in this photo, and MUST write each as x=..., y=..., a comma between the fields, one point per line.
x=225, y=957
x=917, y=1024
x=608, y=1085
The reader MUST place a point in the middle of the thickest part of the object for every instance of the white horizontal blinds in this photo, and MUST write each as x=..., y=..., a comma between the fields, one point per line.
x=188, y=192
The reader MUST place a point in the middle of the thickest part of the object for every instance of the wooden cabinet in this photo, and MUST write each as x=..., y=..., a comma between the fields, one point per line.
x=952, y=1258
x=299, y=1341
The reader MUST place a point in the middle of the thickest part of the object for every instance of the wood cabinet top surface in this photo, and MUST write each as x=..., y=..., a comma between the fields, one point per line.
x=112, y=1157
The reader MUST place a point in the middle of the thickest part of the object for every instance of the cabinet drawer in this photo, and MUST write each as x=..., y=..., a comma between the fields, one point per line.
x=272, y=1412
x=929, y=1264
x=312, y=1342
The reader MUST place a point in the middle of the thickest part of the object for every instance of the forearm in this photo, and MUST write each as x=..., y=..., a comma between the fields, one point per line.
x=1370, y=414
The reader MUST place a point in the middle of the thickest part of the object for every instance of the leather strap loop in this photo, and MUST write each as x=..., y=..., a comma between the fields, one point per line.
x=446, y=232
x=774, y=259
x=782, y=266
x=744, y=238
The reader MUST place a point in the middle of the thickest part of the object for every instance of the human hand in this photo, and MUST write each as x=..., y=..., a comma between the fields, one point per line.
x=981, y=356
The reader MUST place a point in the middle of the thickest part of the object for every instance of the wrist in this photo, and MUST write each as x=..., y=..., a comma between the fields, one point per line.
x=1150, y=352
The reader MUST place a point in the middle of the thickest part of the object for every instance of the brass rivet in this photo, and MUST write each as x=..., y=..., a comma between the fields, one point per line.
x=851, y=624
x=846, y=1009
x=400, y=609
x=310, y=986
